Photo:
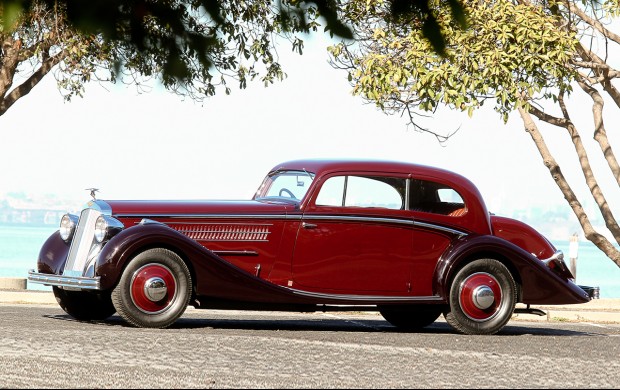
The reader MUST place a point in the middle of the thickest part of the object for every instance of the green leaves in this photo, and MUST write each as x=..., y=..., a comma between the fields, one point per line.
x=509, y=51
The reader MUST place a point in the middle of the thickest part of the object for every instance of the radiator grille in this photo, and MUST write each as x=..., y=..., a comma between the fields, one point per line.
x=82, y=243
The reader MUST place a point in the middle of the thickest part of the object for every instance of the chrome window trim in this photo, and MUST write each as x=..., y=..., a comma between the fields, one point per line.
x=407, y=193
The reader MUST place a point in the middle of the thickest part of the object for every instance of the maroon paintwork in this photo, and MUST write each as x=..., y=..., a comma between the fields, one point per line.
x=290, y=253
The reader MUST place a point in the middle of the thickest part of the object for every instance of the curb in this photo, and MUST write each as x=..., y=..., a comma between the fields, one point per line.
x=27, y=297
x=13, y=283
x=602, y=311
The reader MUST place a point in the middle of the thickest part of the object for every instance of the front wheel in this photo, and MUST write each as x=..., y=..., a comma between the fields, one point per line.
x=85, y=305
x=482, y=298
x=154, y=289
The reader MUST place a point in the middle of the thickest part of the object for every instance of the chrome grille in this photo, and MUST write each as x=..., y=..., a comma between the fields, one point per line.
x=82, y=243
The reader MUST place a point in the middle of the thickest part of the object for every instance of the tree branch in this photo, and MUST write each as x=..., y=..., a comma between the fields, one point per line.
x=593, y=22
x=25, y=88
x=586, y=168
x=10, y=60
x=554, y=169
x=600, y=134
x=588, y=55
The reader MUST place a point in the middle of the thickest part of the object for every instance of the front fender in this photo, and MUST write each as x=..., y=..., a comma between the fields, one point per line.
x=53, y=255
x=212, y=276
x=131, y=241
x=539, y=284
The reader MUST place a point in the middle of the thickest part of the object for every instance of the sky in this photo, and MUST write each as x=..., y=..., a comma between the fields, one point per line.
x=157, y=145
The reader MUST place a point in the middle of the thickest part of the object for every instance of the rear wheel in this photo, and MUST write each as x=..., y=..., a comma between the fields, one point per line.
x=482, y=298
x=154, y=289
x=411, y=317
x=85, y=305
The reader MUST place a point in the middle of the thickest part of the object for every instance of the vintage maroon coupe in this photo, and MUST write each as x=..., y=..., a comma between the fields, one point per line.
x=409, y=241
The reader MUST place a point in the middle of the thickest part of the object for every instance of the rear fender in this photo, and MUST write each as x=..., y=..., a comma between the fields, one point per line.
x=538, y=283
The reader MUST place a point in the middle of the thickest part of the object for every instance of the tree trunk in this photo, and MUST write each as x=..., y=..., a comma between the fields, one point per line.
x=556, y=173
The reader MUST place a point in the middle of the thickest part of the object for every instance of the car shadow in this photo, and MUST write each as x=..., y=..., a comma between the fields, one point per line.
x=344, y=325
x=330, y=325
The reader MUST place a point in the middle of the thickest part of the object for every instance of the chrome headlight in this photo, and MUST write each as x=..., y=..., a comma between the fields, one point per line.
x=106, y=227
x=68, y=222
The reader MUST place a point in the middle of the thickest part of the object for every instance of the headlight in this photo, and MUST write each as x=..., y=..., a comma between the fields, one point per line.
x=106, y=227
x=67, y=226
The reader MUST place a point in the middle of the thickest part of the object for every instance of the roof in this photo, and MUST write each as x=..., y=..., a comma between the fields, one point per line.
x=322, y=166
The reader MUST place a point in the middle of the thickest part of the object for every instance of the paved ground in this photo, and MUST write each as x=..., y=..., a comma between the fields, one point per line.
x=42, y=347
x=605, y=311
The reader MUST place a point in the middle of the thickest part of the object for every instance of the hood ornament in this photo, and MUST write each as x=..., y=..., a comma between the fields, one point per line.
x=92, y=192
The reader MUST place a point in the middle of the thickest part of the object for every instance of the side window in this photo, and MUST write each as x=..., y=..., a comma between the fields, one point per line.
x=431, y=197
x=332, y=192
x=363, y=191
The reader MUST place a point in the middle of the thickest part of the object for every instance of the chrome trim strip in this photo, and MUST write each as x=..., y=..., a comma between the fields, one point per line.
x=349, y=297
x=236, y=253
x=358, y=219
x=222, y=223
x=211, y=216
x=439, y=227
x=300, y=217
x=387, y=220
x=65, y=281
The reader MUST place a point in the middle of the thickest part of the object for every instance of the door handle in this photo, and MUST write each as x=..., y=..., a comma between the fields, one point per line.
x=307, y=225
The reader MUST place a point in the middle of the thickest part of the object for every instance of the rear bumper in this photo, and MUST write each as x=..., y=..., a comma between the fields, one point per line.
x=593, y=292
x=79, y=282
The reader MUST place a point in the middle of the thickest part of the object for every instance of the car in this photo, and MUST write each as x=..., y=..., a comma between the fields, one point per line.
x=410, y=241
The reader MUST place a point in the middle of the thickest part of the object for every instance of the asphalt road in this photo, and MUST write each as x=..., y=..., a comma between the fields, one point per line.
x=41, y=347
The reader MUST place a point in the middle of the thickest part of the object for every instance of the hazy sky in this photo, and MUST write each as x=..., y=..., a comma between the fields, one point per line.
x=157, y=146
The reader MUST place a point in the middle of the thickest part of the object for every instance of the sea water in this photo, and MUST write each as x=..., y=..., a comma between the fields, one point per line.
x=20, y=245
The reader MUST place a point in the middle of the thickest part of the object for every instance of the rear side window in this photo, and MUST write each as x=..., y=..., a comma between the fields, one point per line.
x=363, y=191
x=431, y=197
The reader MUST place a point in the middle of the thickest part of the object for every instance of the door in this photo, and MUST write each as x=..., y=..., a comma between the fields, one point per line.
x=355, y=237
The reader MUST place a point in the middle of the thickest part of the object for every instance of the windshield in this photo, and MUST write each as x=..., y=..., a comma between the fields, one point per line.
x=285, y=185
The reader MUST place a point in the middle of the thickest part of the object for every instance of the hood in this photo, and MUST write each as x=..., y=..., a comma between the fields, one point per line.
x=151, y=208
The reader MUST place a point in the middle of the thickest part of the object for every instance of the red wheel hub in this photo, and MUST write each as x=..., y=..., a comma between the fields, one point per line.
x=153, y=288
x=480, y=296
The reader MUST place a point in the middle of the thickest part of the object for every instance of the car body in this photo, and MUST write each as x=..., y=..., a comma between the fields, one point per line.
x=408, y=240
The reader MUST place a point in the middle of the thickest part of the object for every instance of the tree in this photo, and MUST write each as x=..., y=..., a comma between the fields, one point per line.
x=191, y=46
x=190, y=49
x=523, y=56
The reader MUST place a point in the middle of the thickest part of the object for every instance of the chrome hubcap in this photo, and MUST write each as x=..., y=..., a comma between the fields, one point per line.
x=483, y=297
x=155, y=289
x=480, y=296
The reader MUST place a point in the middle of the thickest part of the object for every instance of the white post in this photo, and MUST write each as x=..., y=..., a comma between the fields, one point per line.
x=573, y=250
